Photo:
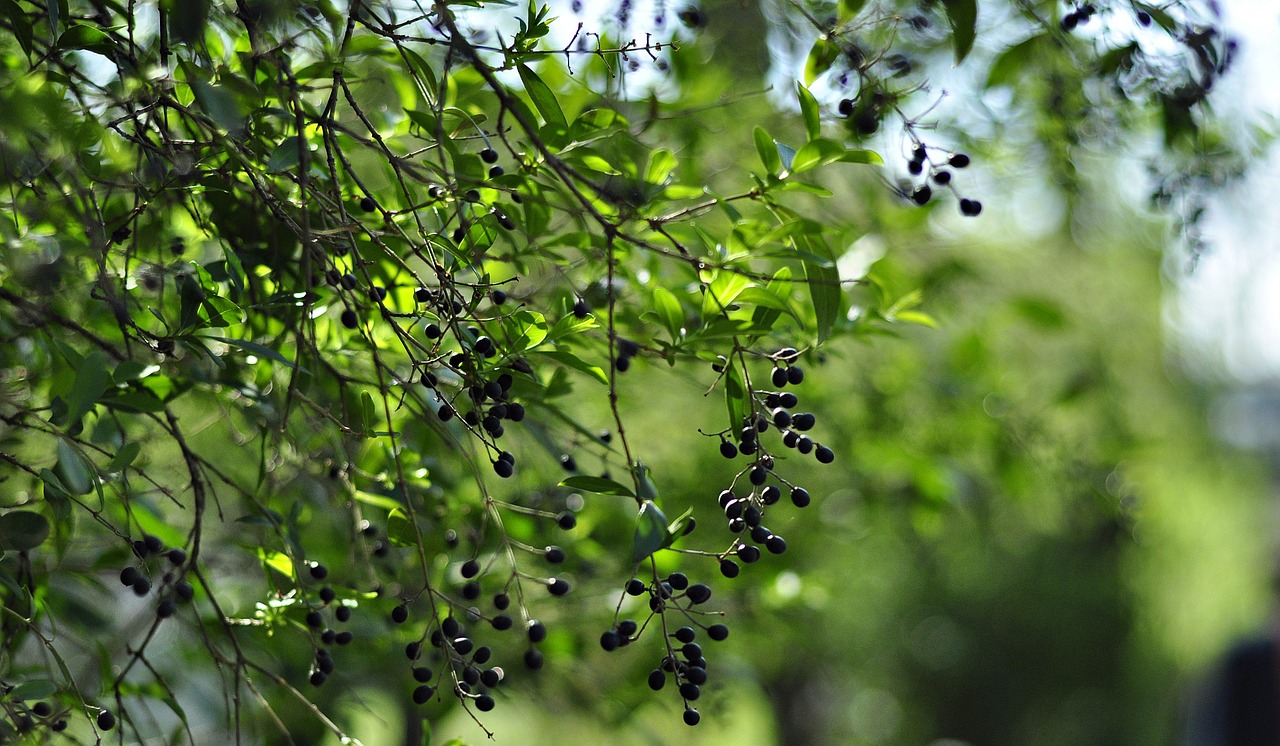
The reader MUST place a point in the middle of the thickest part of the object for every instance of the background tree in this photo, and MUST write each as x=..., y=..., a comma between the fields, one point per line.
x=388, y=355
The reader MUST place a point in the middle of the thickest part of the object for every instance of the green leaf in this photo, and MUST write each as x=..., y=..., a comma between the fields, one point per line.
x=526, y=330
x=648, y=490
x=257, y=349
x=850, y=8
x=570, y=360
x=661, y=163
x=87, y=38
x=1008, y=66
x=400, y=529
x=72, y=470
x=675, y=529
x=34, y=689
x=735, y=397
x=378, y=501
x=963, y=17
x=367, y=411
x=651, y=531
x=285, y=155
x=543, y=98
x=19, y=22
x=599, y=485
x=821, y=55
x=722, y=292
x=219, y=104
x=22, y=530
x=90, y=383
x=125, y=456
x=277, y=561
x=820, y=152
x=134, y=402
x=425, y=119
x=765, y=316
x=810, y=111
x=824, y=284
x=786, y=154
x=768, y=151
x=669, y=311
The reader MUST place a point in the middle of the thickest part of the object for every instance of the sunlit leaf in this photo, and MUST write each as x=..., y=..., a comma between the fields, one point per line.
x=598, y=485
x=650, y=533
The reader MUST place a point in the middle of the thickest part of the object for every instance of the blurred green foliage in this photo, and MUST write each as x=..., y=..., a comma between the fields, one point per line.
x=251, y=255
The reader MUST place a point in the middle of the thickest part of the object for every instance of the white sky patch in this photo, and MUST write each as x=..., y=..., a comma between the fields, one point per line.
x=1227, y=311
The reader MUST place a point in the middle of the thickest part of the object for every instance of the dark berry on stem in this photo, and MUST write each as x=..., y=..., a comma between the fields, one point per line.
x=800, y=497
x=691, y=717
x=566, y=520
x=657, y=679
x=533, y=659
x=824, y=455
x=367, y=204
x=970, y=207
x=718, y=632
x=400, y=614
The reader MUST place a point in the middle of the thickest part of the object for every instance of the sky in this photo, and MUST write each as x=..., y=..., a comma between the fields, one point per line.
x=1225, y=313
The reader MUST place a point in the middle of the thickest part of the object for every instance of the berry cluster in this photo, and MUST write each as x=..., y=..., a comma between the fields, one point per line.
x=24, y=717
x=683, y=658
x=455, y=654
x=1080, y=15
x=174, y=588
x=940, y=174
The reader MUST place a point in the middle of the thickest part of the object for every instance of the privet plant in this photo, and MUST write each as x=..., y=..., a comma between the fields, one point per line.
x=317, y=317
